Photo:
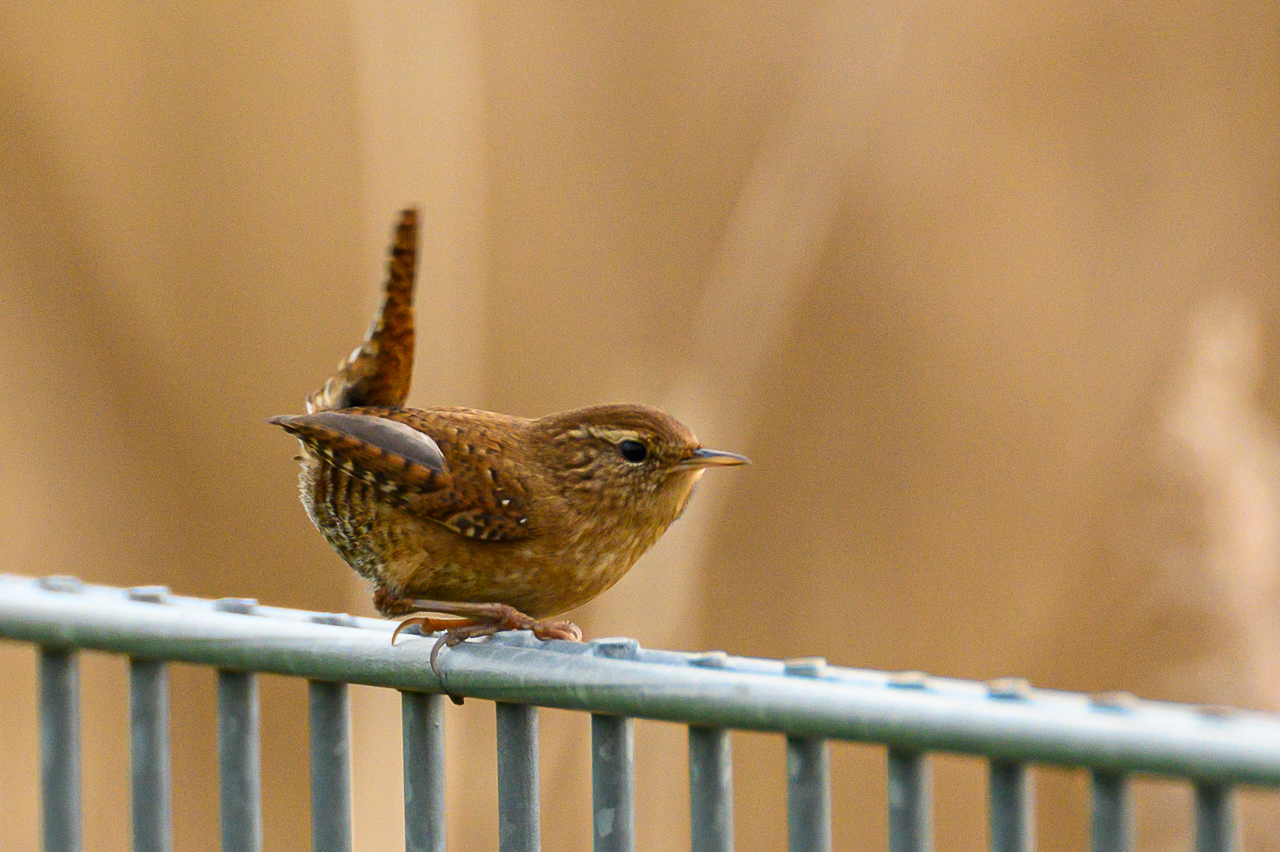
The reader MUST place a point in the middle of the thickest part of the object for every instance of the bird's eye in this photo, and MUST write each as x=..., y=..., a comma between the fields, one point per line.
x=633, y=451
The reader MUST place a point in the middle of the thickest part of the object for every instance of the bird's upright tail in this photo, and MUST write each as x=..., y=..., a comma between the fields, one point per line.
x=378, y=371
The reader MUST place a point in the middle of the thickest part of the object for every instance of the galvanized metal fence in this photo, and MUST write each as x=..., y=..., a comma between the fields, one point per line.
x=807, y=701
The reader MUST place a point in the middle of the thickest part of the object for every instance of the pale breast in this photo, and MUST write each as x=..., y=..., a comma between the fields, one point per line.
x=542, y=575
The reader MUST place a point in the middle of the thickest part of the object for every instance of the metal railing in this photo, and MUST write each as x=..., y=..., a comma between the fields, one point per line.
x=1006, y=722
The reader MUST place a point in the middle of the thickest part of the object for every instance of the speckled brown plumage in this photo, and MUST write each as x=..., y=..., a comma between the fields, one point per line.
x=378, y=371
x=497, y=519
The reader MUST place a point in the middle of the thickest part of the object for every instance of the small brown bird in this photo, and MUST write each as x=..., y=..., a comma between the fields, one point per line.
x=499, y=522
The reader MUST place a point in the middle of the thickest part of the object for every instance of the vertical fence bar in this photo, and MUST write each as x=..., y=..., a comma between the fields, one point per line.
x=1215, y=819
x=808, y=794
x=422, y=728
x=1112, y=813
x=239, y=764
x=60, y=749
x=330, y=766
x=613, y=783
x=910, y=802
x=518, y=801
x=149, y=756
x=808, y=776
x=1012, y=823
x=710, y=789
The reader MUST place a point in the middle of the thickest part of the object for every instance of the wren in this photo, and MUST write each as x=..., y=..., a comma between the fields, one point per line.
x=497, y=522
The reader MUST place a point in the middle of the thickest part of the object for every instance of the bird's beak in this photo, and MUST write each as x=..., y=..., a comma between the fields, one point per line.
x=703, y=457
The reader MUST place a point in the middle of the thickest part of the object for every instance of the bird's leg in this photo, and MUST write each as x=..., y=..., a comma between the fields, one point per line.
x=427, y=624
x=500, y=616
x=494, y=617
x=471, y=620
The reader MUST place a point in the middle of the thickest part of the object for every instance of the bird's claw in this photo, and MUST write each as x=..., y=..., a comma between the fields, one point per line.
x=402, y=625
x=467, y=629
x=566, y=630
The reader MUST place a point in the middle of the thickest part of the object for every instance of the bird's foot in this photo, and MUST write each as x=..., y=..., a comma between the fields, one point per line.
x=475, y=620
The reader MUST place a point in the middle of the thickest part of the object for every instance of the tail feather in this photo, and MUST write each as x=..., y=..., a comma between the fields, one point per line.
x=378, y=371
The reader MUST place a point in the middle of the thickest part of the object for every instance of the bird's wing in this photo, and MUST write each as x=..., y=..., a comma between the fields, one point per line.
x=376, y=449
x=486, y=498
x=469, y=487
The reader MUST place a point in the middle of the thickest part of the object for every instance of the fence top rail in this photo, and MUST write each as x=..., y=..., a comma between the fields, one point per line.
x=1004, y=720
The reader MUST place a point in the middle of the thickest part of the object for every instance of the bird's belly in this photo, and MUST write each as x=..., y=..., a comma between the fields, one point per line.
x=419, y=558
x=527, y=575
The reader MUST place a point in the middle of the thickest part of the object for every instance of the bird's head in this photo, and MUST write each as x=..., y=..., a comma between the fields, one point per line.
x=630, y=459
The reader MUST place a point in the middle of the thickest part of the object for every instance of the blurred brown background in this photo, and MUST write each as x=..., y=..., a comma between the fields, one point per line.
x=987, y=291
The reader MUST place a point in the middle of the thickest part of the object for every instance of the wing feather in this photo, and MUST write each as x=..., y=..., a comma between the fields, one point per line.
x=440, y=468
